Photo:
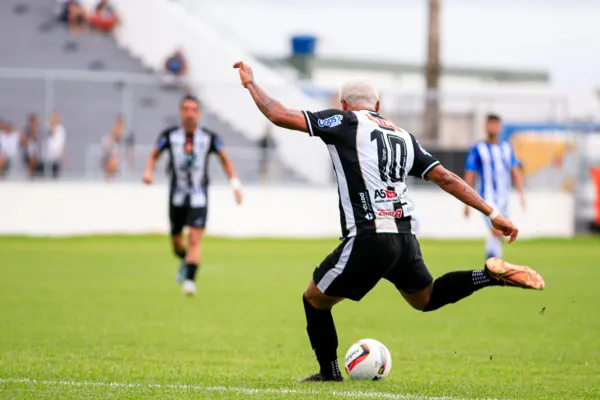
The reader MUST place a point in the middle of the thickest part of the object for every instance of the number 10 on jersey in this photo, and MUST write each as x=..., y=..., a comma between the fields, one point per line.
x=391, y=151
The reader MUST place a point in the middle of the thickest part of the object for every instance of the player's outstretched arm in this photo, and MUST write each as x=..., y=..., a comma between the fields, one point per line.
x=271, y=108
x=453, y=184
x=150, y=164
x=470, y=180
x=517, y=177
x=233, y=179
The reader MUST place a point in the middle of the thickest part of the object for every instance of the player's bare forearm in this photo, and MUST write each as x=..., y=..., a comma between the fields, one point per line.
x=275, y=111
x=152, y=160
x=518, y=179
x=454, y=185
x=227, y=165
x=270, y=107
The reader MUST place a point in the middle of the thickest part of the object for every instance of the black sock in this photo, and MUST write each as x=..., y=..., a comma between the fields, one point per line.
x=323, y=339
x=190, y=271
x=180, y=253
x=455, y=286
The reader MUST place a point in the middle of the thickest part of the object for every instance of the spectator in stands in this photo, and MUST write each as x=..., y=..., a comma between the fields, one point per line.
x=176, y=71
x=55, y=145
x=9, y=146
x=104, y=18
x=266, y=145
x=112, y=145
x=31, y=144
x=73, y=14
x=176, y=64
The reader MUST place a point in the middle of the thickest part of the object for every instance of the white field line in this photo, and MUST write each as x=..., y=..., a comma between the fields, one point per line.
x=224, y=389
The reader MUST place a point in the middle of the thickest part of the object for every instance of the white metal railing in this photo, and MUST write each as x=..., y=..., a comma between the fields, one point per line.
x=246, y=161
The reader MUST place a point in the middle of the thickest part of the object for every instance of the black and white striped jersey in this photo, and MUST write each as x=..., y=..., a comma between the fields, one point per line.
x=372, y=158
x=188, y=163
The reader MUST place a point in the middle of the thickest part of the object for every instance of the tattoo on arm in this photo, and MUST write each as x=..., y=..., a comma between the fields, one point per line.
x=275, y=111
x=469, y=190
x=265, y=103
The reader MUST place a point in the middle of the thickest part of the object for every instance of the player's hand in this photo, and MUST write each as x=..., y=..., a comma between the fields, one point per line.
x=148, y=177
x=523, y=202
x=467, y=211
x=506, y=227
x=246, y=74
x=239, y=197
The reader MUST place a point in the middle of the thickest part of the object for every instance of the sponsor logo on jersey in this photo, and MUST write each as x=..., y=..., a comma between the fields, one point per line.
x=384, y=123
x=366, y=205
x=386, y=196
x=390, y=213
x=330, y=122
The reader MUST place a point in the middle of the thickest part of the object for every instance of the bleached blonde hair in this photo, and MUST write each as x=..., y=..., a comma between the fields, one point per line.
x=359, y=92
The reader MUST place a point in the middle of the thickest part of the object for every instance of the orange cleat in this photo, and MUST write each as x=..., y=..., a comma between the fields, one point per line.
x=514, y=275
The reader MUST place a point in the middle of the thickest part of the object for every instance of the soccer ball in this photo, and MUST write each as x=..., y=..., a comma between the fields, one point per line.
x=368, y=359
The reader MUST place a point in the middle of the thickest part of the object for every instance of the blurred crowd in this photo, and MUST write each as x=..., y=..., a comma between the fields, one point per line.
x=102, y=18
x=40, y=153
x=40, y=149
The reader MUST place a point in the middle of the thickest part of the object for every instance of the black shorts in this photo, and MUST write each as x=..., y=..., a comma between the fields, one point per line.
x=356, y=265
x=185, y=215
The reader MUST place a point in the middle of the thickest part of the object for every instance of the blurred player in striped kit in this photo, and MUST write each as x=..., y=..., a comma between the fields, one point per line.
x=492, y=167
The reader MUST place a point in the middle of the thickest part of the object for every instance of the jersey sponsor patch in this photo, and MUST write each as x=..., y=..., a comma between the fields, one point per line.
x=366, y=205
x=386, y=196
x=330, y=122
x=390, y=213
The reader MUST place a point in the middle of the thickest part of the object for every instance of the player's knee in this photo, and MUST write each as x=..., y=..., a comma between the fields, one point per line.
x=420, y=305
x=315, y=298
x=419, y=300
x=194, y=236
x=179, y=251
x=177, y=242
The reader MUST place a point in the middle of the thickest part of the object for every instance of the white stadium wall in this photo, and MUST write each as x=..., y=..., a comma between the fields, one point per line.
x=64, y=209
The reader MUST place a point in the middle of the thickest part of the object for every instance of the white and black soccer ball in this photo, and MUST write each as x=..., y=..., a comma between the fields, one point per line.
x=368, y=359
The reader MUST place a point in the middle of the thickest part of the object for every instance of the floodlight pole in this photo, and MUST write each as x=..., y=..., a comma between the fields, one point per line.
x=431, y=117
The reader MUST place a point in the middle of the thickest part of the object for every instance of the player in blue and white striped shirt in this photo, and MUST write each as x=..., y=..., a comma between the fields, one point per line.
x=492, y=165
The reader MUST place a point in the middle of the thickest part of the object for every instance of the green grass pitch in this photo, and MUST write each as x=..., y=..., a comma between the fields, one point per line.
x=102, y=317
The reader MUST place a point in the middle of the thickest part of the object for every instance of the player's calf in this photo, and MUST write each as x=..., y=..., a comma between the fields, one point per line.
x=192, y=260
x=450, y=288
x=180, y=252
x=321, y=333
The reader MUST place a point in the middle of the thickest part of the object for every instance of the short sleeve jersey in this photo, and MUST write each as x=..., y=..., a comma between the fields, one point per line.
x=493, y=164
x=372, y=158
x=188, y=163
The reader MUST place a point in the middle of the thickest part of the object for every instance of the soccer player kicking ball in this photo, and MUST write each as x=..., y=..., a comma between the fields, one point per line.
x=372, y=158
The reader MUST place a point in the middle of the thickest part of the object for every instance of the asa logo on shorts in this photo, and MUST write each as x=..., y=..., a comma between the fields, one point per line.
x=390, y=213
x=330, y=122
